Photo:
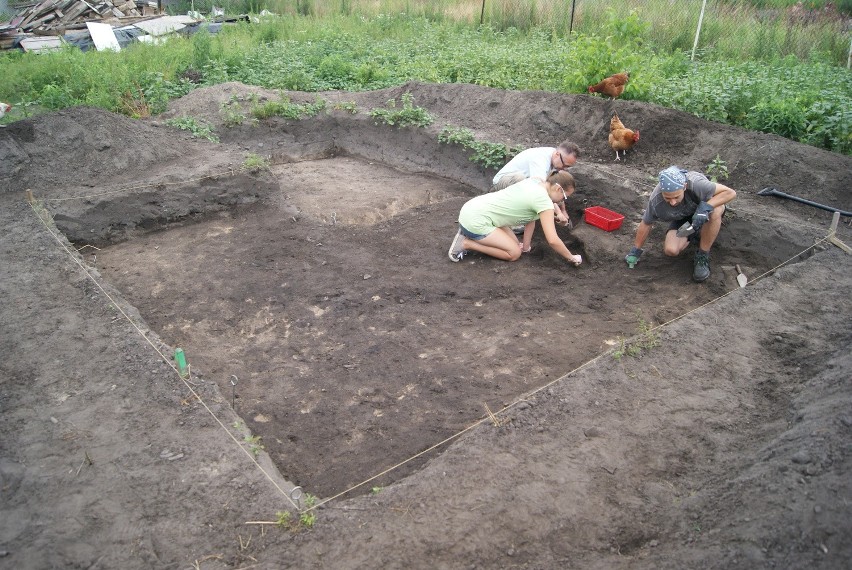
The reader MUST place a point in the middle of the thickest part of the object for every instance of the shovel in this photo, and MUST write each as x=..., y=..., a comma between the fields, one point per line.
x=775, y=192
x=741, y=278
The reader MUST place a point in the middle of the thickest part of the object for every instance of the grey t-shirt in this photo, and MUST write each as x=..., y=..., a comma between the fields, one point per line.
x=698, y=189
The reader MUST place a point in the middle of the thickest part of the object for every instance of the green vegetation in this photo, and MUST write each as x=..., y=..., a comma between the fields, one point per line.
x=254, y=162
x=646, y=339
x=284, y=519
x=407, y=116
x=718, y=169
x=490, y=155
x=284, y=108
x=198, y=129
x=772, y=74
x=254, y=444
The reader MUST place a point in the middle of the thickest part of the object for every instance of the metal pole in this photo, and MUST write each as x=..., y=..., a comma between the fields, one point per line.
x=698, y=30
x=571, y=25
x=849, y=57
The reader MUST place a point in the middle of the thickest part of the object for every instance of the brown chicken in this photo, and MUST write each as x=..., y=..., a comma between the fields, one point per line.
x=620, y=137
x=613, y=86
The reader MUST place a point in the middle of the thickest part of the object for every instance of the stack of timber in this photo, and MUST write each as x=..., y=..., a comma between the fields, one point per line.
x=55, y=17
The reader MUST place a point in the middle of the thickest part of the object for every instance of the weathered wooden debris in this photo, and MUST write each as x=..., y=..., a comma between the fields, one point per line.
x=55, y=17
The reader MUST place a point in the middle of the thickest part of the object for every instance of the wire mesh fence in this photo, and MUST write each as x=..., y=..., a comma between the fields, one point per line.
x=728, y=29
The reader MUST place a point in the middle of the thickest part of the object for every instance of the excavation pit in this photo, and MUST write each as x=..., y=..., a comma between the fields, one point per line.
x=110, y=460
x=354, y=342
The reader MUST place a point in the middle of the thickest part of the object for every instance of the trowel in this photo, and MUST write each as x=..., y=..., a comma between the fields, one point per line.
x=685, y=230
x=741, y=278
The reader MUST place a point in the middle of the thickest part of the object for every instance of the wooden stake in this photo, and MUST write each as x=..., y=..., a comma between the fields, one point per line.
x=29, y=196
x=832, y=234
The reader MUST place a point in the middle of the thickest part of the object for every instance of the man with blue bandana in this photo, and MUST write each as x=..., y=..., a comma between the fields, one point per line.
x=687, y=200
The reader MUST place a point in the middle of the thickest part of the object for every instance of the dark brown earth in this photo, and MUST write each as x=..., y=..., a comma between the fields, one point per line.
x=365, y=363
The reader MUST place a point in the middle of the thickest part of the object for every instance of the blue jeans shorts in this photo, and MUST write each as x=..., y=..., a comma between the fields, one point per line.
x=471, y=235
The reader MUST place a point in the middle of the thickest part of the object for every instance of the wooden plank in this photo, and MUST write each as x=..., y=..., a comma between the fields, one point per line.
x=36, y=12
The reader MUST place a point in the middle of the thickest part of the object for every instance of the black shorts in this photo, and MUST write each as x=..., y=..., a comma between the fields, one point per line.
x=678, y=223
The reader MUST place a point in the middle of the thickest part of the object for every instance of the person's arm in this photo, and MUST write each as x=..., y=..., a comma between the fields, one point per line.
x=548, y=226
x=642, y=234
x=561, y=214
x=722, y=195
x=529, y=230
x=632, y=257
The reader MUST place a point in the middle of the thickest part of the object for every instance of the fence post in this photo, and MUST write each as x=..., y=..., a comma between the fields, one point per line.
x=482, y=13
x=571, y=25
x=849, y=57
x=698, y=30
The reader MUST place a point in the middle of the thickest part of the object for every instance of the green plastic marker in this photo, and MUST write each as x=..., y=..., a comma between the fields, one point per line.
x=181, y=361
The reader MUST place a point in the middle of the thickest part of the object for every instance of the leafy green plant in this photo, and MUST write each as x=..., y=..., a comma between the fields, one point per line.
x=376, y=490
x=254, y=444
x=408, y=115
x=233, y=113
x=718, y=169
x=283, y=518
x=255, y=162
x=308, y=519
x=348, y=106
x=196, y=128
x=646, y=339
x=288, y=110
x=490, y=155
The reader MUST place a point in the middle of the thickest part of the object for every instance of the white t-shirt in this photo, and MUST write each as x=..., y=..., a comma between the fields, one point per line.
x=532, y=163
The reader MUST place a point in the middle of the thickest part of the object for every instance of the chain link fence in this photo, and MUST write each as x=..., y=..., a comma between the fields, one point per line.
x=726, y=29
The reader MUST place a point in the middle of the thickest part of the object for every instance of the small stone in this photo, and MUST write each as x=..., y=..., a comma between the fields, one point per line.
x=654, y=543
x=801, y=457
x=817, y=509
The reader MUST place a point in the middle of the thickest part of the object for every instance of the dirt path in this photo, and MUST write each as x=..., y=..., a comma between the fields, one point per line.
x=322, y=288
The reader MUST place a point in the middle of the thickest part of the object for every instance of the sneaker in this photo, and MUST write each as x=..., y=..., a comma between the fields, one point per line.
x=456, y=250
x=702, y=266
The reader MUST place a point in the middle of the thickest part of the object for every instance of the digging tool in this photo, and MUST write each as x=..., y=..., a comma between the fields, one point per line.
x=685, y=230
x=775, y=192
x=741, y=278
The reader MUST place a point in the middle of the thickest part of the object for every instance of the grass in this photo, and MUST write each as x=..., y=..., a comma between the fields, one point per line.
x=804, y=96
x=406, y=116
x=646, y=339
x=487, y=154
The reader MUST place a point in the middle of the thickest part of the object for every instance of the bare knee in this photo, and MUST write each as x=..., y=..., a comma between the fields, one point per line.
x=671, y=251
x=514, y=255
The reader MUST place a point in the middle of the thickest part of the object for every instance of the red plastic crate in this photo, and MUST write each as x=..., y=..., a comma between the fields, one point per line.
x=603, y=218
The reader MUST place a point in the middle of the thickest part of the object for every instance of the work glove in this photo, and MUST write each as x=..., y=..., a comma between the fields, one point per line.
x=632, y=258
x=701, y=215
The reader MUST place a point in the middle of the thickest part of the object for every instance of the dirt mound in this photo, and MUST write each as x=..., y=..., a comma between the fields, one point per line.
x=321, y=287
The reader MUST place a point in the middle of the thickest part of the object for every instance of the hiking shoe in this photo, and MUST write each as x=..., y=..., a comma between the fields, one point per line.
x=702, y=266
x=456, y=250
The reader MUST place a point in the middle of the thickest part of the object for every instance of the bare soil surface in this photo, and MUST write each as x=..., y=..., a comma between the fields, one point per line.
x=332, y=345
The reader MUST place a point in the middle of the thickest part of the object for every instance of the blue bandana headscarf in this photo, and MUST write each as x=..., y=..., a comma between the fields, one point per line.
x=672, y=179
